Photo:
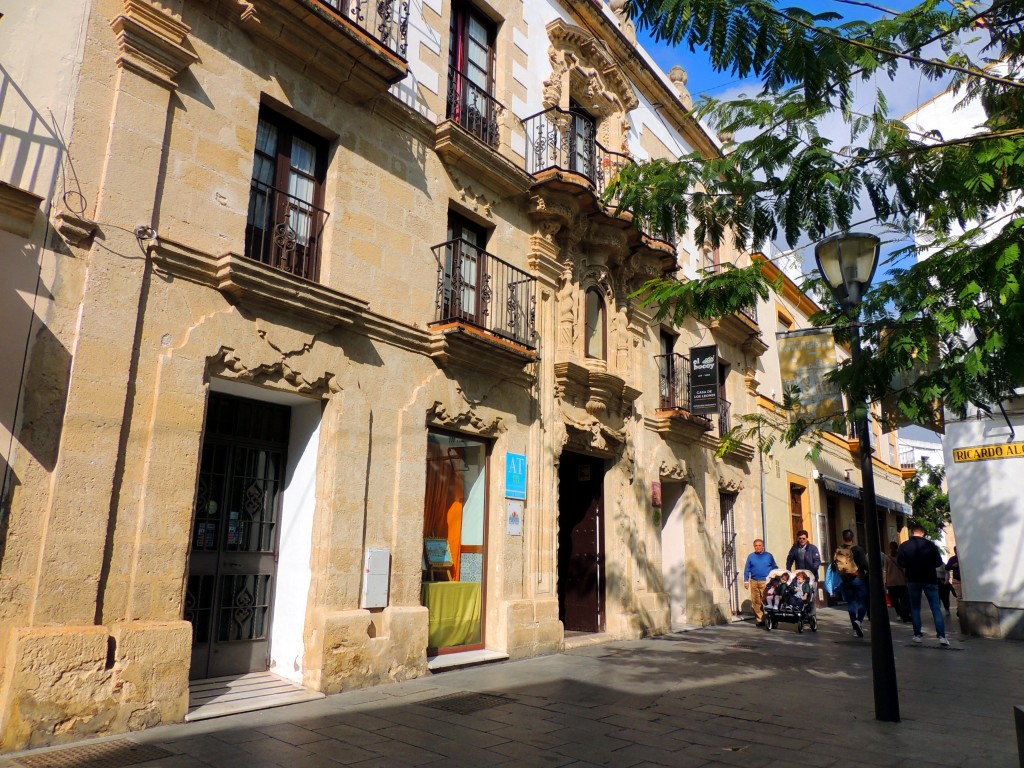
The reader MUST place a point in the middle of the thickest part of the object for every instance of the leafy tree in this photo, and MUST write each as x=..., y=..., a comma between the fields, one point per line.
x=953, y=324
x=927, y=498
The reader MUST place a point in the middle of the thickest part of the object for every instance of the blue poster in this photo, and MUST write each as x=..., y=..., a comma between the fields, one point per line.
x=515, y=476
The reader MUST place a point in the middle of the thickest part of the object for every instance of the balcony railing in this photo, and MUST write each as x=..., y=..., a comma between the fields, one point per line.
x=724, y=416
x=284, y=232
x=386, y=21
x=478, y=288
x=556, y=138
x=474, y=108
x=674, y=377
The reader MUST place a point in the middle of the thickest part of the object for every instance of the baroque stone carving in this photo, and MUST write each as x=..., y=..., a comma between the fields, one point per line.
x=439, y=415
x=593, y=435
x=675, y=471
x=567, y=311
x=730, y=485
x=583, y=69
x=473, y=200
x=228, y=363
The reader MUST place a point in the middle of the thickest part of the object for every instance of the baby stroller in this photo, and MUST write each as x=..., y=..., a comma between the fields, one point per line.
x=789, y=610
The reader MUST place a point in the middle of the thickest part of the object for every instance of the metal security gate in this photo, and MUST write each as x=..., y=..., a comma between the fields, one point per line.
x=229, y=598
x=730, y=568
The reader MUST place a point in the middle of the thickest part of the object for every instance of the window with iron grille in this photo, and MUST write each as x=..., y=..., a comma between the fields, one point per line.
x=286, y=218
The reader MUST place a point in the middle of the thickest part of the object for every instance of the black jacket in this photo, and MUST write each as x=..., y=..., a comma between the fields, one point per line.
x=919, y=558
x=811, y=560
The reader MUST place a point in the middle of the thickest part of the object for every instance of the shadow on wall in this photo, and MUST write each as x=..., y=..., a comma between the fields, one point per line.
x=695, y=586
x=31, y=157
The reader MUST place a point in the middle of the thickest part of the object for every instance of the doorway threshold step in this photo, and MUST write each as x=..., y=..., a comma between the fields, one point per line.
x=575, y=640
x=448, y=661
x=221, y=696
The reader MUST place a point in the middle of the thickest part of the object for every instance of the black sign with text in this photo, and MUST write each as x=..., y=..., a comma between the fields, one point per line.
x=704, y=379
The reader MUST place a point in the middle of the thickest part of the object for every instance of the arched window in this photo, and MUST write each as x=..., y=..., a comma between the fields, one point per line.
x=595, y=341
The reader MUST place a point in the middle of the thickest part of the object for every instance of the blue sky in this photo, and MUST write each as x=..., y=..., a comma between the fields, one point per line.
x=906, y=92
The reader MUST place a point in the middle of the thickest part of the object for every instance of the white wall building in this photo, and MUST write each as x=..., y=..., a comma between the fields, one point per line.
x=984, y=459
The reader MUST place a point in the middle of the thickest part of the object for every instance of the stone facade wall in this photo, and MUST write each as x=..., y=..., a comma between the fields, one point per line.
x=155, y=306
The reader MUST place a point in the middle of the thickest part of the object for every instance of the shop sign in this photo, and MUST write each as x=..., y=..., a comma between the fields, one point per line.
x=704, y=379
x=987, y=452
x=515, y=476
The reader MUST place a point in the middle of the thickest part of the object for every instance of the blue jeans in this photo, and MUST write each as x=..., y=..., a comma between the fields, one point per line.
x=855, y=593
x=931, y=591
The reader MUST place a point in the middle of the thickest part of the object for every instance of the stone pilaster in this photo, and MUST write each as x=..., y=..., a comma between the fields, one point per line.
x=151, y=50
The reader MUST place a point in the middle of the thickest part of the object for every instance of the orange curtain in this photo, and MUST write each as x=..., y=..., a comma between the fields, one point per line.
x=442, y=508
x=455, y=508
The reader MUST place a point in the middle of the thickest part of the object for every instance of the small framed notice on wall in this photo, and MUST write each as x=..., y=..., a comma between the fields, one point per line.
x=515, y=517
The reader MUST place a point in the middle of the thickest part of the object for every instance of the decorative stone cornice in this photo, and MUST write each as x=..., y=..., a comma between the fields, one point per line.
x=460, y=149
x=18, y=209
x=458, y=346
x=151, y=42
x=444, y=416
x=680, y=426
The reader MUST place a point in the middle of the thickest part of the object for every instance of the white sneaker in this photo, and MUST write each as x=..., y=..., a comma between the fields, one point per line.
x=943, y=641
x=920, y=639
x=858, y=630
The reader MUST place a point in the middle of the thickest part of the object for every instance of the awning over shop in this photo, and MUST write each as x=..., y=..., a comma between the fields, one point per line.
x=835, y=485
x=841, y=487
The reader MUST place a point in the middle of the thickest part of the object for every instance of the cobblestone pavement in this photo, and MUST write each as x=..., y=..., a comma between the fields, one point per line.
x=724, y=696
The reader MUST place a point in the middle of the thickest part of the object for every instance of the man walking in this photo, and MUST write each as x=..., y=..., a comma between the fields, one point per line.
x=804, y=555
x=852, y=565
x=919, y=558
x=755, y=576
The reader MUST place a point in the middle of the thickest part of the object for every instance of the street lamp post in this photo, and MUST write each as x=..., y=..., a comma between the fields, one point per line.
x=847, y=263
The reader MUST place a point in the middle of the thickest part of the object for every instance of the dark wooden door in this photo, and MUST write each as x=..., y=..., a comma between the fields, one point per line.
x=235, y=532
x=796, y=510
x=581, y=543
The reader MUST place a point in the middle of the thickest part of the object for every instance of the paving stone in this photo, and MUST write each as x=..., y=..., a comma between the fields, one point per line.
x=291, y=734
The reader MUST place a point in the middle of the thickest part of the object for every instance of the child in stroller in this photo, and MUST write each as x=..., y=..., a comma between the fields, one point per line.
x=789, y=599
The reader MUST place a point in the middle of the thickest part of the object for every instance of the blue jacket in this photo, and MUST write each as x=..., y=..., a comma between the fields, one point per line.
x=759, y=566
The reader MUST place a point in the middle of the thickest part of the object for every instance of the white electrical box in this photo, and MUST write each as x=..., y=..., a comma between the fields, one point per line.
x=375, y=578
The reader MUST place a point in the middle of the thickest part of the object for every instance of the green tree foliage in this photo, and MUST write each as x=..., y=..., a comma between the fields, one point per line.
x=953, y=324
x=929, y=502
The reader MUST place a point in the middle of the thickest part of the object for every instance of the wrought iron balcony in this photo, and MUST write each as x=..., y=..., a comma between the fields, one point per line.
x=284, y=232
x=386, y=21
x=557, y=139
x=554, y=139
x=478, y=288
x=674, y=386
x=749, y=312
x=474, y=108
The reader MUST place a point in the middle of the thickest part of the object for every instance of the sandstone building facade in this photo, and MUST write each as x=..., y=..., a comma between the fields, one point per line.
x=323, y=358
